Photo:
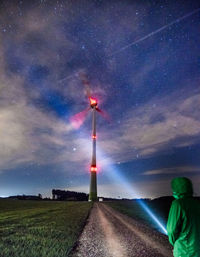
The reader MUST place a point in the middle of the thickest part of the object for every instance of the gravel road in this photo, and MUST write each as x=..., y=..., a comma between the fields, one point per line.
x=109, y=233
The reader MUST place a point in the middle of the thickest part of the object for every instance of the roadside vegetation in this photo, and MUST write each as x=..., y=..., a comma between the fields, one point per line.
x=40, y=228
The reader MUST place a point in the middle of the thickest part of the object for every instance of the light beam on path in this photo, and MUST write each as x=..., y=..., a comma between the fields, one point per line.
x=116, y=175
x=155, y=32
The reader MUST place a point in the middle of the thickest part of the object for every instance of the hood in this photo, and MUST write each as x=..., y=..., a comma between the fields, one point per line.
x=181, y=187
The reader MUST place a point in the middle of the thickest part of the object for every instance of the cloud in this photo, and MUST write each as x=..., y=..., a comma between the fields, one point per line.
x=24, y=130
x=31, y=133
x=157, y=118
x=173, y=170
x=156, y=127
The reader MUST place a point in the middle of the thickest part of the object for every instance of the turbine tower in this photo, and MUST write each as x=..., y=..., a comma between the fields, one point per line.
x=77, y=121
x=93, y=168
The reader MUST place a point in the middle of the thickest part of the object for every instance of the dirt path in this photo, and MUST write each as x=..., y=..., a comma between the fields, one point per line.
x=109, y=233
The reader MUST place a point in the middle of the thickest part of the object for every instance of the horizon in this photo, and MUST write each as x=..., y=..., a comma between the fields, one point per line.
x=51, y=198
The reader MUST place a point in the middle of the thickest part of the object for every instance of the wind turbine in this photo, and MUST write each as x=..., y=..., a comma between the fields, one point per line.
x=77, y=120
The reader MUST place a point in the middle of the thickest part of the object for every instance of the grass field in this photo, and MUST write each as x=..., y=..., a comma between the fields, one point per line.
x=134, y=210
x=40, y=228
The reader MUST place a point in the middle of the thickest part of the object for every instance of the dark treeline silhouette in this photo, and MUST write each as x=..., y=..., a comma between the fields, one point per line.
x=62, y=195
x=26, y=197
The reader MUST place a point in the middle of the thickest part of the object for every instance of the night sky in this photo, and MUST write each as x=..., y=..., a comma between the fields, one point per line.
x=142, y=59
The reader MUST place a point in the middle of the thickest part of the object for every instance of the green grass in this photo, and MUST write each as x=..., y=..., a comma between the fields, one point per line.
x=40, y=228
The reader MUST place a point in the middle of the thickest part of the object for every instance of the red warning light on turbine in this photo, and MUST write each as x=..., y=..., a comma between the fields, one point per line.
x=93, y=169
x=94, y=137
x=93, y=102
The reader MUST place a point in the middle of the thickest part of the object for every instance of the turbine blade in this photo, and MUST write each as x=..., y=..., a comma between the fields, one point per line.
x=86, y=83
x=78, y=119
x=104, y=114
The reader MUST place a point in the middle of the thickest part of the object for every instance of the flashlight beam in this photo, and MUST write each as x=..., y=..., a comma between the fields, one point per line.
x=152, y=216
x=116, y=175
x=155, y=32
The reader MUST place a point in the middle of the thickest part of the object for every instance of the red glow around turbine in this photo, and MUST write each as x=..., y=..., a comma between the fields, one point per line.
x=93, y=168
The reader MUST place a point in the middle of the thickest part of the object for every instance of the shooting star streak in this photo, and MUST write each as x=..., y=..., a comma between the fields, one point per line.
x=74, y=74
x=138, y=40
x=68, y=77
x=155, y=32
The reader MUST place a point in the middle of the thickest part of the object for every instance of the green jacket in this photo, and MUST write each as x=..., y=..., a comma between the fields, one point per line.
x=183, y=224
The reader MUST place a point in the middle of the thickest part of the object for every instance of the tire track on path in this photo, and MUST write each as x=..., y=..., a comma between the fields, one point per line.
x=151, y=239
x=112, y=240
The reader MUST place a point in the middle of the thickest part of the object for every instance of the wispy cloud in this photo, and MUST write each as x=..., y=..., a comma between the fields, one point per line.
x=173, y=170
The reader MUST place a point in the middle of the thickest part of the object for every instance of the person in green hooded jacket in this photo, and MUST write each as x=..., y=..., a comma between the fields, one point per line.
x=183, y=224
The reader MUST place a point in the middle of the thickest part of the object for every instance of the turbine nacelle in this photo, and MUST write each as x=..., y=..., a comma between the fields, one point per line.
x=93, y=102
